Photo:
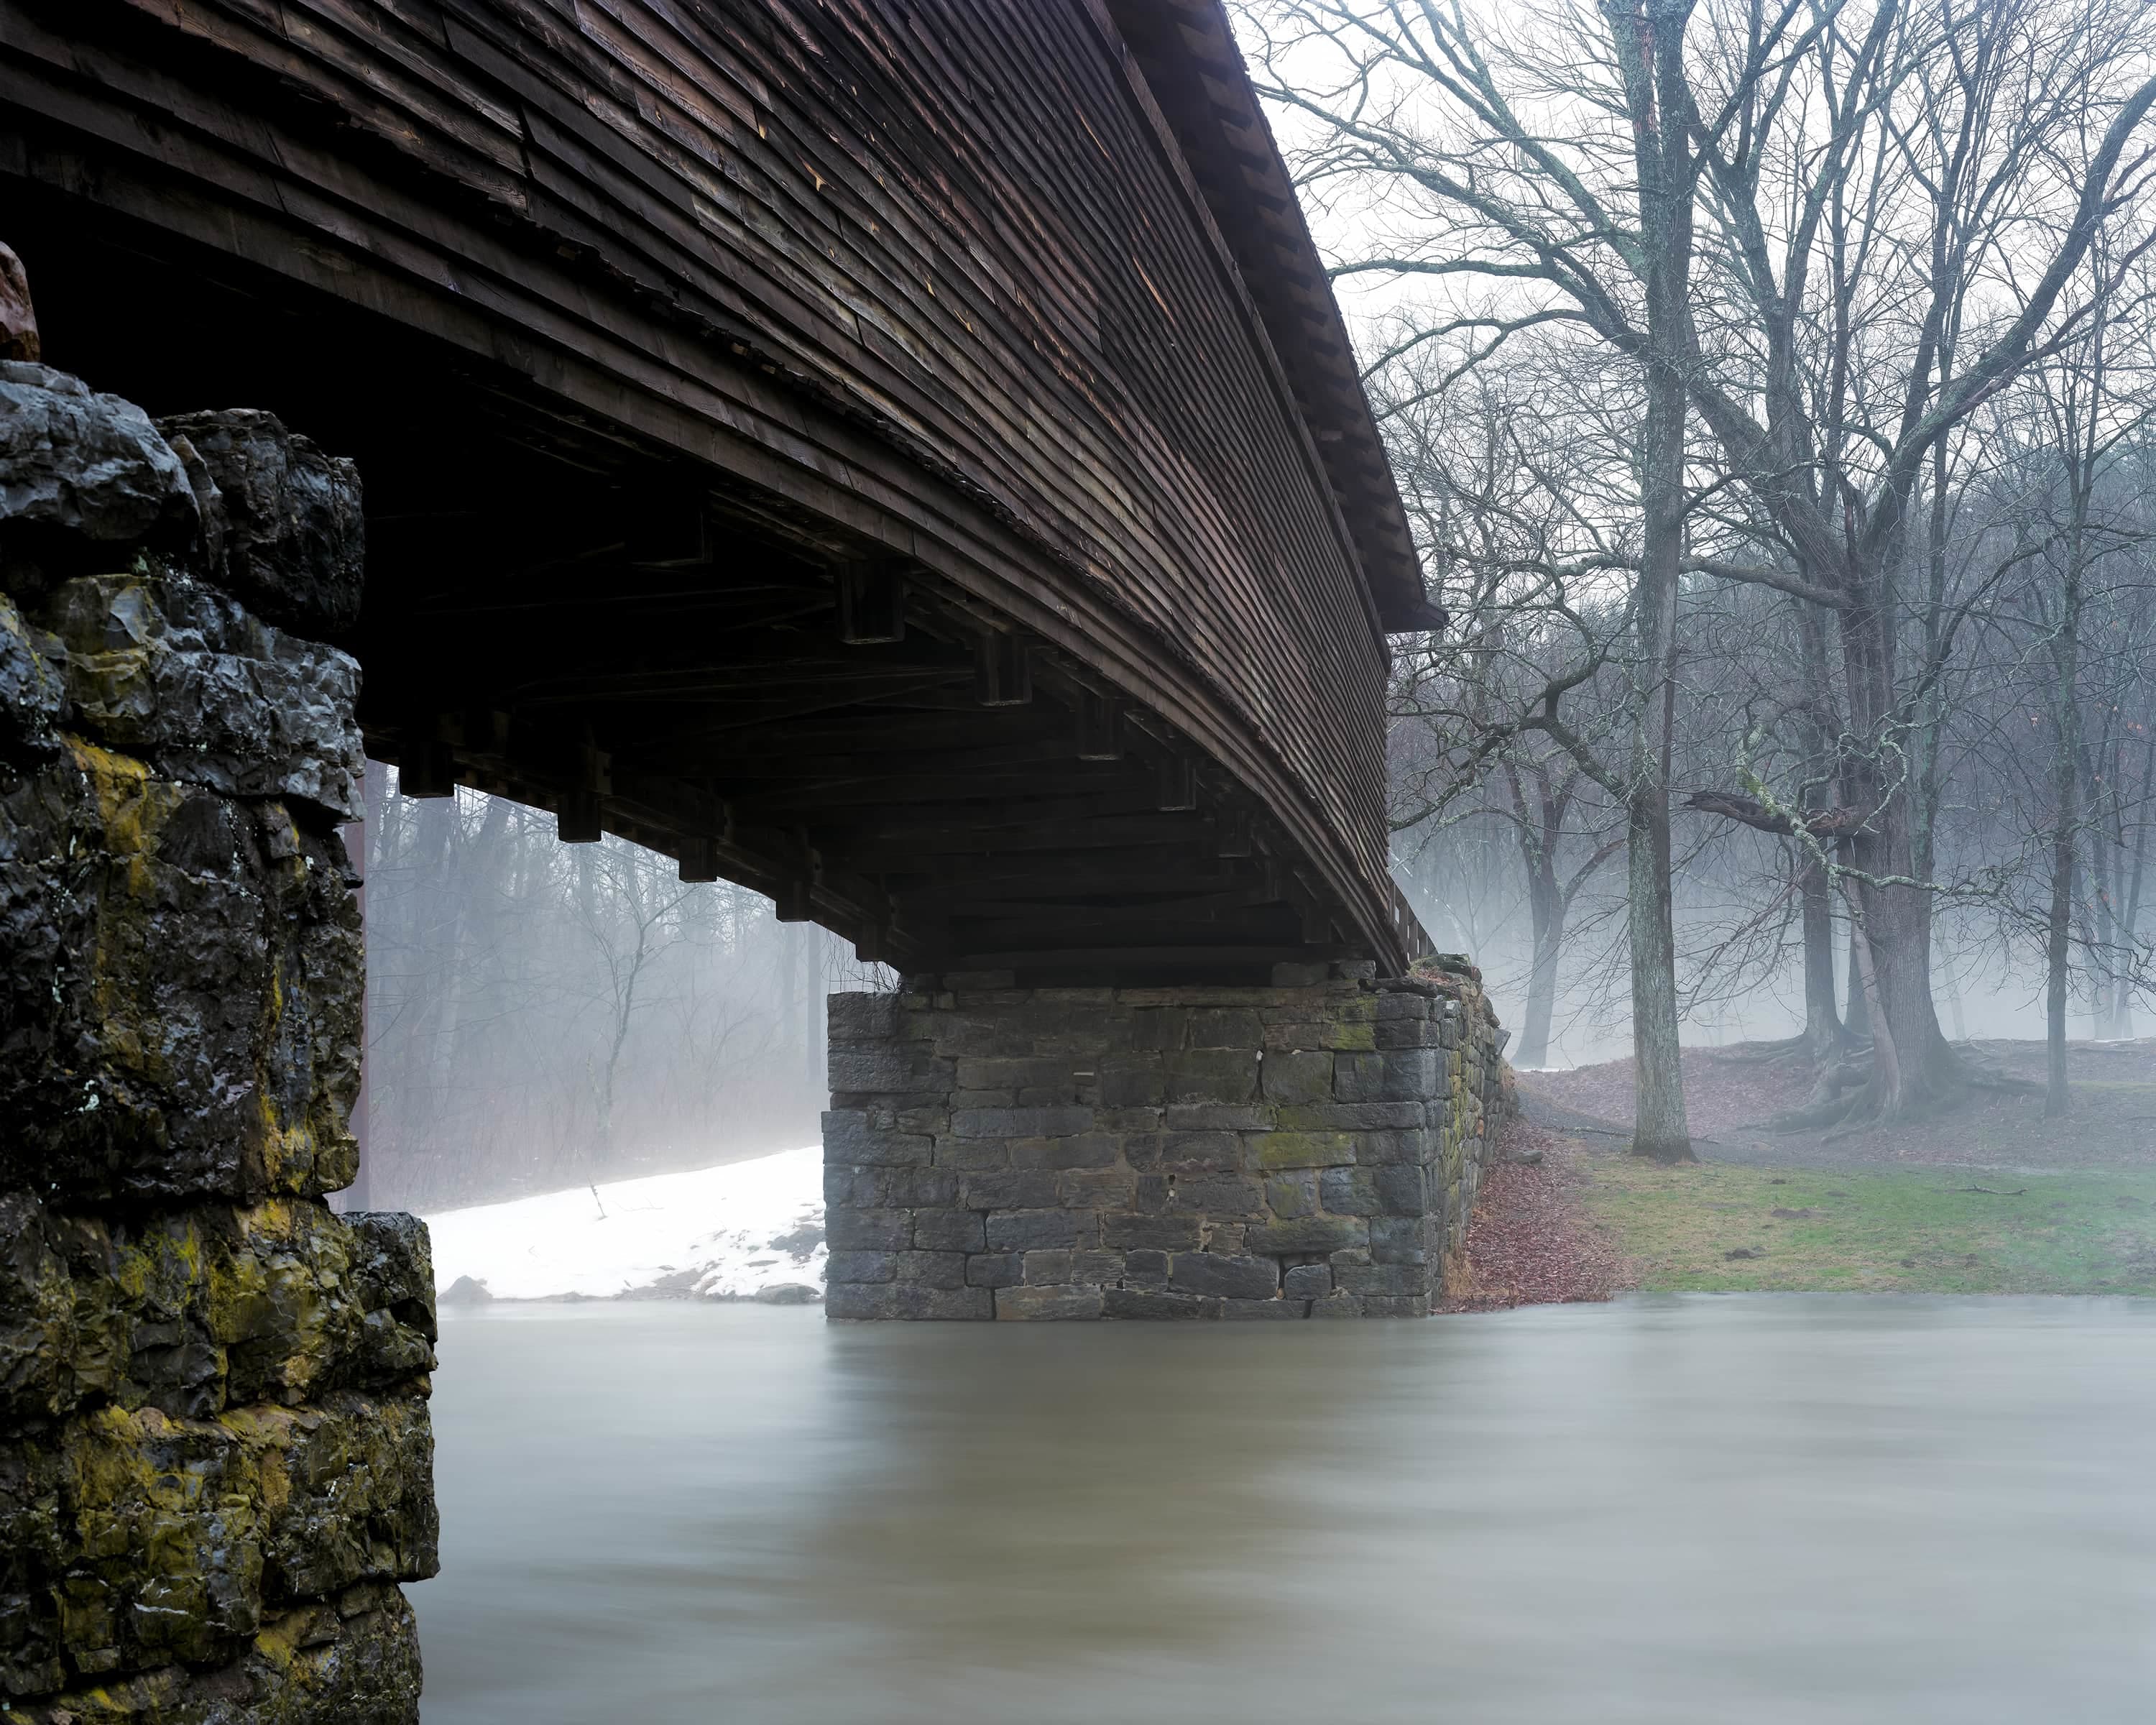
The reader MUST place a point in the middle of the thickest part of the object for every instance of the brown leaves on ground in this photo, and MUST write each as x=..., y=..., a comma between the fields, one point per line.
x=1529, y=1243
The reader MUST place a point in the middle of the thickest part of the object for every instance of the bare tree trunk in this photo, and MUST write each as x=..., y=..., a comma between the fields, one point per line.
x=2066, y=820
x=1822, y=1020
x=1542, y=993
x=1650, y=45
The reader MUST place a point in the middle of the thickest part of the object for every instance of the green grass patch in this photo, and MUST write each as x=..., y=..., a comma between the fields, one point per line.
x=1916, y=1231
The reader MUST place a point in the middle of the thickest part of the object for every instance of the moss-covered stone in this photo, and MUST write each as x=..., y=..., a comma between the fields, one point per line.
x=180, y=987
x=194, y=1311
x=352, y=1660
x=137, y=1540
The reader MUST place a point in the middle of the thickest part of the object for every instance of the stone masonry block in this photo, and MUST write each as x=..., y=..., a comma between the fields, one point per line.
x=965, y=1154
x=283, y=522
x=1292, y=1196
x=1288, y=1149
x=861, y=1018
x=1105, y=1188
x=1146, y=1268
x=1183, y=1152
x=1237, y=1278
x=948, y=1230
x=1140, y=1303
x=1159, y=1027
x=1020, y=1122
x=861, y=1266
x=180, y=984
x=1036, y=1304
x=1218, y=1117
x=1307, y=1281
x=1275, y=1310
x=176, y=674
x=852, y=1136
x=1082, y=1150
x=87, y=466
x=994, y=1269
x=151, y=1541
x=1028, y=1230
x=1408, y=1033
x=1292, y=1076
x=1379, y=1148
x=1162, y=1233
x=1353, y=1116
x=1050, y=1267
x=1402, y=1190
x=1348, y=1191
x=1218, y=1075
x=1400, y=1239
x=1009, y=1072
x=873, y=1188
x=1313, y=1234
x=931, y=1269
x=1130, y=1080
x=196, y=1311
x=910, y=1300
x=1222, y=1027
x=1400, y=1279
x=870, y=1231
x=1227, y=1196
x=1095, y=1265
x=1013, y=1189
x=899, y=1068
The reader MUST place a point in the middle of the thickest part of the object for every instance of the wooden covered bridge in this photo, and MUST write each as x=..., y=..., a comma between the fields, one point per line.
x=901, y=455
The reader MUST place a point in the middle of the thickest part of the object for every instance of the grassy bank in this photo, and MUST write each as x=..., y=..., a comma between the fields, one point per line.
x=1720, y=1228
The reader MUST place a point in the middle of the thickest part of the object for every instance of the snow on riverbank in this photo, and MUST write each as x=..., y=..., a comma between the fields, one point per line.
x=717, y=1231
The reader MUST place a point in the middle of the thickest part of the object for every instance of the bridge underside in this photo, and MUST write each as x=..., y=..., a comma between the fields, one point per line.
x=561, y=611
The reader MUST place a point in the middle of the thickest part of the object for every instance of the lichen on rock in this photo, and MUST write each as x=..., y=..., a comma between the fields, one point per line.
x=215, y=1459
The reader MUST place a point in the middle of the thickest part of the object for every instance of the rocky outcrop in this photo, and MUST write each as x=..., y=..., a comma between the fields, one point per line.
x=215, y=1459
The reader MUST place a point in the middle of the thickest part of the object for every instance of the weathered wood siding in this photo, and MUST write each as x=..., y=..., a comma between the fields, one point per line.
x=956, y=229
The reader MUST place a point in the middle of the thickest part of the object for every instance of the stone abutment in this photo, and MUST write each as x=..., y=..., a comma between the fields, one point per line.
x=1310, y=1149
x=216, y=1464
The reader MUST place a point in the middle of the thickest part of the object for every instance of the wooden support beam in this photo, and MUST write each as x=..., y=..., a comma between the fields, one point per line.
x=1179, y=783
x=871, y=602
x=577, y=820
x=425, y=767
x=1235, y=830
x=669, y=527
x=700, y=860
x=1100, y=727
x=795, y=898
x=1002, y=669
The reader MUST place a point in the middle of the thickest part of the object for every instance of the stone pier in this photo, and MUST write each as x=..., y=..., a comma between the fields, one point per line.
x=215, y=1461
x=1309, y=1149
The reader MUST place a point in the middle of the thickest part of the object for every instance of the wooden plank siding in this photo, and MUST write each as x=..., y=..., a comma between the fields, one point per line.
x=944, y=271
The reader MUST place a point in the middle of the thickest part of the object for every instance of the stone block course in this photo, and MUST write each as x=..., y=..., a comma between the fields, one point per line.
x=1304, y=1149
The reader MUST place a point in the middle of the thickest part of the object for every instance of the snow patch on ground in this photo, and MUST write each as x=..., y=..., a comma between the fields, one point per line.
x=725, y=1231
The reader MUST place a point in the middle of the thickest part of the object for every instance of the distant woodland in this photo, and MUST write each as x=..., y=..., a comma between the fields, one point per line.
x=542, y=1014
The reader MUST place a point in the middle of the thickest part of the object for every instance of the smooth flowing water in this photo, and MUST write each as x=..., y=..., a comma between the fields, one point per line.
x=1743, y=1510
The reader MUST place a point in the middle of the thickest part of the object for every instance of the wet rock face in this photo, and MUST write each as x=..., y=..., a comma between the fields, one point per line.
x=215, y=1461
x=286, y=530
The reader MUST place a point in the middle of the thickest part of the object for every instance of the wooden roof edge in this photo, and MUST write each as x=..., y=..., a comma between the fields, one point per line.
x=1186, y=54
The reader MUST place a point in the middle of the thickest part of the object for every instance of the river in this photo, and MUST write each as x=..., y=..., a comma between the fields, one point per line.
x=1743, y=1510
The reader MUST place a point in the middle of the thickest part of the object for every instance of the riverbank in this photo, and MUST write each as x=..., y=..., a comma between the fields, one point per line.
x=1989, y=1200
